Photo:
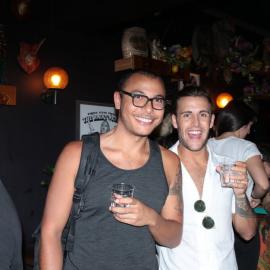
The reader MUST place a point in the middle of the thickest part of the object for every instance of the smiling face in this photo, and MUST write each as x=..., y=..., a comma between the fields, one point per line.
x=135, y=120
x=193, y=121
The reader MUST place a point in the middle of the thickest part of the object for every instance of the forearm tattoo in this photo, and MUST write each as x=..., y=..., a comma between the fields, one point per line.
x=176, y=190
x=242, y=207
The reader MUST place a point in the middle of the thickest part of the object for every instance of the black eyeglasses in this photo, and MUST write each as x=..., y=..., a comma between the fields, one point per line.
x=207, y=222
x=140, y=100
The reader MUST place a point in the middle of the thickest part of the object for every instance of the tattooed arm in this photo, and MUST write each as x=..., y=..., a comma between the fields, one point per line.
x=244, y=220
x=168, y=230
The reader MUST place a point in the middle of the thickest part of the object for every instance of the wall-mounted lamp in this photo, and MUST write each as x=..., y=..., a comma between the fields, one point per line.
x=223, y=99
x=55, y=79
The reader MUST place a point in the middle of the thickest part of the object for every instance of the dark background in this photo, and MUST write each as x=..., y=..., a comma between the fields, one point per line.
x=86, y=41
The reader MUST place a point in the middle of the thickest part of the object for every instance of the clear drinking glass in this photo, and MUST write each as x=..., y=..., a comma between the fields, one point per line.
x=123, y=189
x=227, y=174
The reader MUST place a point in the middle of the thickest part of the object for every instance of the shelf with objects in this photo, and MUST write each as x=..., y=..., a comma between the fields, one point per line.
x=139, y=51
x=157, y=66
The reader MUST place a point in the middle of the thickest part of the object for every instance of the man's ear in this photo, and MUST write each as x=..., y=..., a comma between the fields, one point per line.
x=117, y=100
x=174, y=121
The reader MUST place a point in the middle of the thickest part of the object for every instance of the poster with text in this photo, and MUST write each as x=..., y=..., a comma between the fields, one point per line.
x=94, y=117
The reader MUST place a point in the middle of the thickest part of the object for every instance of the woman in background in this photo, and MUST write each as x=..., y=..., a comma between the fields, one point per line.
x=264, y=220
x=232, y=125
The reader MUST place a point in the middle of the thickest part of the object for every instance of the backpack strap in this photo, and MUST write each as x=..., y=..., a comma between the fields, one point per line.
x=87, y=169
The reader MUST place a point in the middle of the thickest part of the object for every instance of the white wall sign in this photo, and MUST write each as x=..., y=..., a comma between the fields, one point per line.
x=94, y=117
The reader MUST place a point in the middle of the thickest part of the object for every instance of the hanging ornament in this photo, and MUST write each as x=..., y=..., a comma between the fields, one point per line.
x=28, y=58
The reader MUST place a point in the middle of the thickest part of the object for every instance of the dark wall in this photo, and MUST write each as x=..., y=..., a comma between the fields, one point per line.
x=33, y=133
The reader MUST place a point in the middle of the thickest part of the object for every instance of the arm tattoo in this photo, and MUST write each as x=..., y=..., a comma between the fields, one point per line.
x=176, y=190
x=242, y=207
x=177, y=186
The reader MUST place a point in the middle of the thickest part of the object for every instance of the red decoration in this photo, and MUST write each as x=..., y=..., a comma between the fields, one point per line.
x=28, y=58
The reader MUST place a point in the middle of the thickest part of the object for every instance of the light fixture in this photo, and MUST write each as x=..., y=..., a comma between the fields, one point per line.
x=223, y=99
x=55, y=79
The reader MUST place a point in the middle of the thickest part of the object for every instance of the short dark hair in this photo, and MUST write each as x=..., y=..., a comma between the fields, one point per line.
x=123, y=80
x=189, y=91
x=234, y=116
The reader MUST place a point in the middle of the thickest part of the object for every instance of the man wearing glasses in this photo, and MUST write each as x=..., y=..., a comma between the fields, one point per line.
x=210, y=210
x=114, y=237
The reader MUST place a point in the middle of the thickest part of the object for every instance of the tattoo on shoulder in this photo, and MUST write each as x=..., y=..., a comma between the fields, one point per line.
x=242, y=207
x=176, y=188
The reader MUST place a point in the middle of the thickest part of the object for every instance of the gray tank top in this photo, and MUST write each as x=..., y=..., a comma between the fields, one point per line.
x=103, y=243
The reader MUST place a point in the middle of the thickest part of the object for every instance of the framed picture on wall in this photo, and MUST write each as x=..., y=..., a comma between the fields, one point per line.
x=94, y=117
x=7, y=94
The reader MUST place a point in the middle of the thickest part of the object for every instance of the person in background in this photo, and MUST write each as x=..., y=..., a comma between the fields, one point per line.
x=264, y=220
x=119, y=238
x=232, y=125
x=10, y=233
x=265, y=151
x=210, y=211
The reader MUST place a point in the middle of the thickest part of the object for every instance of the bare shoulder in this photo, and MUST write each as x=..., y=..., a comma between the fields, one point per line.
x=74, y=147
x=61, y=189
x=70, y=155
x=169, y=157
x=171, y=164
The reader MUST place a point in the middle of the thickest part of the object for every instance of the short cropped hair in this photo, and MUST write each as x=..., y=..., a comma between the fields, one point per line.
x=189, y=91
x=123, y=80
